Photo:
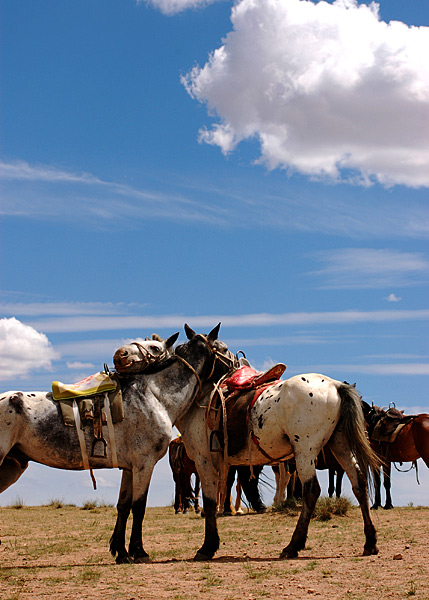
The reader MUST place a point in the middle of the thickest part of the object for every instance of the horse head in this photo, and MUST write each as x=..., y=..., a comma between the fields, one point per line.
x=136, y=356
x=224, y=361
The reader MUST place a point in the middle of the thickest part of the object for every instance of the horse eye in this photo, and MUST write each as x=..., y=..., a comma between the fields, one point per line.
x=155, y=349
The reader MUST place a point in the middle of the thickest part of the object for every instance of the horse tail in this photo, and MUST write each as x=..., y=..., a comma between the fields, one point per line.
x=352, y=422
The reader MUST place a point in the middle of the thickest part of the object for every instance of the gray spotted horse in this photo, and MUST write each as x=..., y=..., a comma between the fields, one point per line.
x=32, y=429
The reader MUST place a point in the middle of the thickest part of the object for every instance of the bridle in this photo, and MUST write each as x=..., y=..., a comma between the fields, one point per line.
x=148, y=356
x=217, y=356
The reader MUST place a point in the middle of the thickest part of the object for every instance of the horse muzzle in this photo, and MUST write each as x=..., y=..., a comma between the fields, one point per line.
x=122, y=361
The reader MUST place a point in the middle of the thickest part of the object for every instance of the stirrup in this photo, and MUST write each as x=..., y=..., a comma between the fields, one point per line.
x=95, y=451
x=216, y=441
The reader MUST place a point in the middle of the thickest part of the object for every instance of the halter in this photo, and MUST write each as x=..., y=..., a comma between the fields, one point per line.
x=147, y=354
x=225, y=360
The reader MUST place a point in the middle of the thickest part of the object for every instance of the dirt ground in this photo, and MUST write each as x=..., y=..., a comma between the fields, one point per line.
x=62, y=552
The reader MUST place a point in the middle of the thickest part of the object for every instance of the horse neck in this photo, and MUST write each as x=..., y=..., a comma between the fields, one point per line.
x=177, y=389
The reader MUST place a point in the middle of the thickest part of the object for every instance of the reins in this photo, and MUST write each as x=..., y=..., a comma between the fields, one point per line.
x=216, y=356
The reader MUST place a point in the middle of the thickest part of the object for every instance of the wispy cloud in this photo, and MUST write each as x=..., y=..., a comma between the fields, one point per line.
x=394, y=369
x=41, y=191
x=371, y=269
x=156, y=322
x=44, y=192
x=67, y=308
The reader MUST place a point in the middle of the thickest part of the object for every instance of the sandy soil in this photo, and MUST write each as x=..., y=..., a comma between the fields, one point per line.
x=62, y=552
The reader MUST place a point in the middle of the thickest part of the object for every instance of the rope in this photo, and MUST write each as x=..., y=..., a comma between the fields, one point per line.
x=110, y=431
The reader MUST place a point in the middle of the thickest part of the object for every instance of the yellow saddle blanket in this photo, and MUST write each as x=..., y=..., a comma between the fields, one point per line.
x=100, y=383
x=83, y=391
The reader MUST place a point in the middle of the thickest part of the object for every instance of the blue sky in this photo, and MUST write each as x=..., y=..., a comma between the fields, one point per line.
x=264, y=164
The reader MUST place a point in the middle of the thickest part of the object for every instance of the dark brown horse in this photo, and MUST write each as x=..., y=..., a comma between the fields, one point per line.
x=183, y=469
x=394, y=444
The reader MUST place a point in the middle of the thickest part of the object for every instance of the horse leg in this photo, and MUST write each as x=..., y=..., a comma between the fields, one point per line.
x=238, y=491
x=340, y=475
x=185, y=484
x=196, y=493
x=141, y=479
x=209, y=486
x=250, y=487
x=283, y=478
x=341, y=450
x=387, y=484
x=226, y=509
x=117, y=541
x=136, y=549
x=377, y=489
x=305, y=465
x=177, y=493
x=331, y=485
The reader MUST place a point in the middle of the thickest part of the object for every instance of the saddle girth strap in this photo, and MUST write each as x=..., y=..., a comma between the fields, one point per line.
x=110, y=431
x=80, y=436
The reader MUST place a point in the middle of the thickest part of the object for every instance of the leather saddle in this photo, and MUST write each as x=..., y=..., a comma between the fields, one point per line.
x=389, y=425
x=240, y=392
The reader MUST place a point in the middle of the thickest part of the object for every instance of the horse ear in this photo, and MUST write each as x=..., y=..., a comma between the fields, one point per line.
x=170, y=341
x=156, y=337
x=189, y=332
x=212, y=336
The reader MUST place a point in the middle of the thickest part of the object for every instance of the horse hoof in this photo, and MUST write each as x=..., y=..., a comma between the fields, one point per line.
x=199, y=557
x=142, y=560
x=388, y=506
x=370, y=552
x=287, y=553
x=124, y=560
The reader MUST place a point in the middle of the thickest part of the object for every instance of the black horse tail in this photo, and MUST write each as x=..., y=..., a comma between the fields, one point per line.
x=352, y=422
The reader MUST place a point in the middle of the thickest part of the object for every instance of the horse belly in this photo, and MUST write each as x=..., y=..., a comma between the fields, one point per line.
x=403, y=449
x=302, y=413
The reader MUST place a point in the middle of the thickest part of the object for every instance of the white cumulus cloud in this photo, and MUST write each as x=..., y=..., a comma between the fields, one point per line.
x=23, y=349
x=328, y=90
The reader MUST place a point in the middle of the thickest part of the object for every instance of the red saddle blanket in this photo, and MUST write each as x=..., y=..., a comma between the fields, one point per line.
x=247, y=378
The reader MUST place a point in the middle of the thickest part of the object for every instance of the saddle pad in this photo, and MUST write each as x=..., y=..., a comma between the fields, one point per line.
x=241, y=378
x=90, y=386
x=247, y=378
x=85, y=406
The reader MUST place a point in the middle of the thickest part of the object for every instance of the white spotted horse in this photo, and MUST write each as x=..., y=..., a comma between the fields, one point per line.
x=32, y=429
x=295, y=417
